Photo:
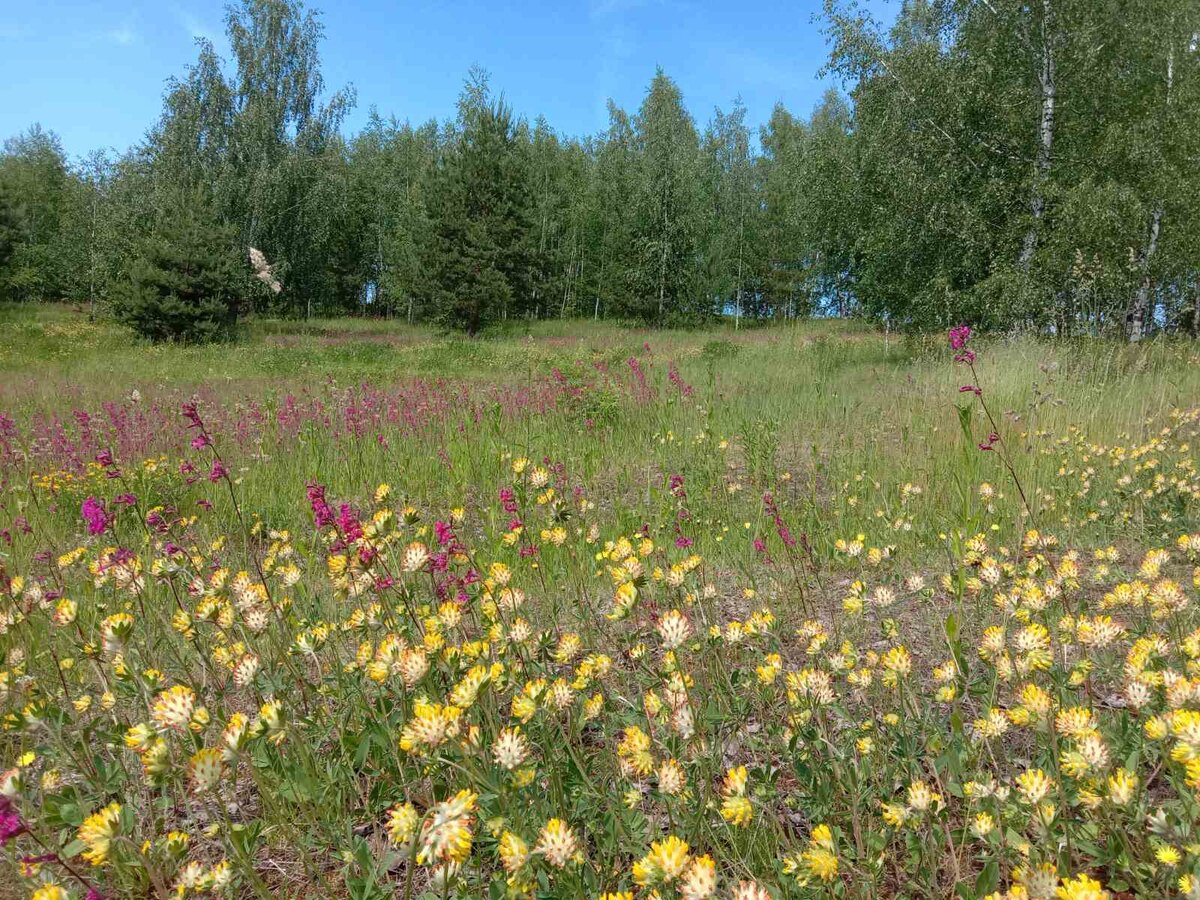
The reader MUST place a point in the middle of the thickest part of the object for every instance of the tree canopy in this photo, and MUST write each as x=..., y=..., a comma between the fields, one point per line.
x=1018, y=165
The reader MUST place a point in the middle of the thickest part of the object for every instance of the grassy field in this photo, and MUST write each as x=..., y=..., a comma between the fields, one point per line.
x=364, y=610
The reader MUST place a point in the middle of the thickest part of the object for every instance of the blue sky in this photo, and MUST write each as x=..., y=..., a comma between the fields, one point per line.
x=94, y=72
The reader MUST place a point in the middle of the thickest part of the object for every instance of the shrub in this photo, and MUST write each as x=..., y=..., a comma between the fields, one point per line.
x=185, y=283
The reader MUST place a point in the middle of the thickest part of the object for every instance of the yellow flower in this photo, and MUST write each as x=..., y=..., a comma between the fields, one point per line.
x=665, y=862
x=982, y=825
x=511, y=749
x=1168, y=855
x=430, y=726
x=737, y=811
x=897, y=664
x=97, y=831
x=735, y=781
x=895, y=814
x=513, y=852
x=446, y=832
x=402, y=823
x=700, y=879
x=736, y=808
x=821, y=863
x=557, y=843
x=1155, y=728
x=205, y=769
x=1121, y=785
x=1081, y=888
x=634, y=752
x=1033, y=785
x=921, y=798
x=173, y=708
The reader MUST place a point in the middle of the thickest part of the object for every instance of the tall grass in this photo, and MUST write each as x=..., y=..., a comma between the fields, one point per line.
x=771, y=566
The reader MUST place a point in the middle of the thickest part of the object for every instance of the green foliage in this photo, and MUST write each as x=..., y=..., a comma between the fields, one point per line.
x=186, y=284
x=661, y=266
x=479, y=259
x=10, y=229
x=34, y=181
x=1018, y=166
x=1014, y=168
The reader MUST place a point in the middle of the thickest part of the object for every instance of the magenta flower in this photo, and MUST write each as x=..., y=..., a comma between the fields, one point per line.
x=959, y=335
x=95, y=515
x=218, y=471
x=676, y=379
x=192, y=414
x=348, y=524
x=11, y=823
x=323, y=514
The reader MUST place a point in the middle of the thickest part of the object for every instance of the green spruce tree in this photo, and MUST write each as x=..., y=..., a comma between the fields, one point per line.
x=186, y=282
x=479, y=255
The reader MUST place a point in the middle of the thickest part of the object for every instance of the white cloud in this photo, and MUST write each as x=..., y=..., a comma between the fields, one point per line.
x=194, y=27
x=124, y=36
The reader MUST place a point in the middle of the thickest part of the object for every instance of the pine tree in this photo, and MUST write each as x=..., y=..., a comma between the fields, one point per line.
x=479, y=255
x=186, y=283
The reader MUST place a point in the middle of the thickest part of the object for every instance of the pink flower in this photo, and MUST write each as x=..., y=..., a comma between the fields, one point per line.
x=193, y=416
x=959, y=335
x=322, y=512
x=11, y=823
x=95, y=515
x=348, y=523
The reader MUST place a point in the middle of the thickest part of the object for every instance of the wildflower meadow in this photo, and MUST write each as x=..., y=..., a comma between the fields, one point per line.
x=354, y=609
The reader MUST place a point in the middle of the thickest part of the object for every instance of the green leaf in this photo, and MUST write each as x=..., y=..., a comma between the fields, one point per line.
x=951, y=625
x=295, y=790
x=989, y=878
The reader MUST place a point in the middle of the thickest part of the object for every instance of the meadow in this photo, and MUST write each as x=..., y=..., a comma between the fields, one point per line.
x=351, y=608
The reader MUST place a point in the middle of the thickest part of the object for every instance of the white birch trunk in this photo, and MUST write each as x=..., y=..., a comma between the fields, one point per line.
x=1037, y=200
